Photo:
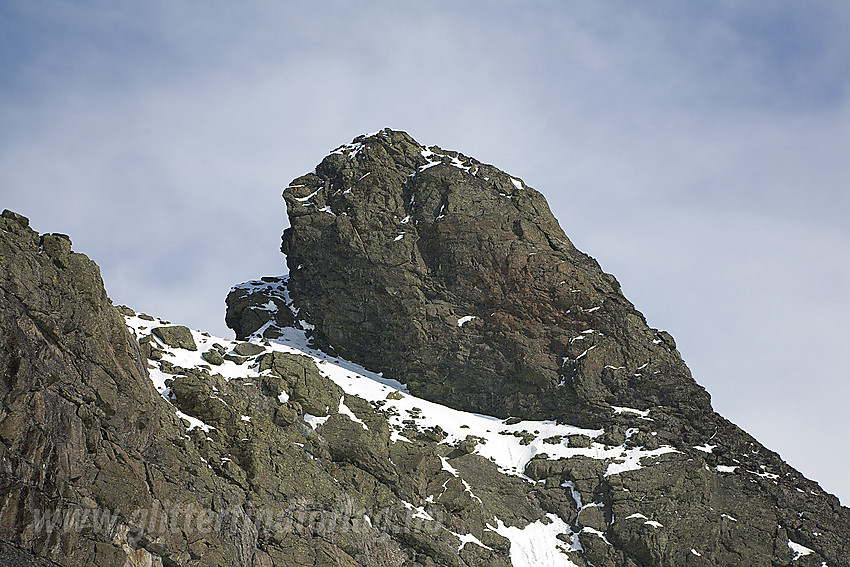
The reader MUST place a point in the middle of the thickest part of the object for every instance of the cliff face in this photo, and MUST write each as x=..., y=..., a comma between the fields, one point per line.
x=78, y=413
x=455, y=277
x=542, y=423
x=90, y=450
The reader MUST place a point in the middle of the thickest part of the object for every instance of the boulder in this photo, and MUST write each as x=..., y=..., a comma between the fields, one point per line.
x=176, y=336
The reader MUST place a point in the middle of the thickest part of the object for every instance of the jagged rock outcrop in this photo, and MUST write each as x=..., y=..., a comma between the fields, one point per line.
x=454, y=277
x=428, y=265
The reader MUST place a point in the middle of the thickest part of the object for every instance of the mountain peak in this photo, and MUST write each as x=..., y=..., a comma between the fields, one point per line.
x=442, y=379
x=426, y=264
x=454, y=278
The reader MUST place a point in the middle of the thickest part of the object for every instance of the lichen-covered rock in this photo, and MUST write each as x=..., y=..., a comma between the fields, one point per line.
x=176, y=336
x=213, y=357
x=317, y=395
x=80, y=424
x=248, y=349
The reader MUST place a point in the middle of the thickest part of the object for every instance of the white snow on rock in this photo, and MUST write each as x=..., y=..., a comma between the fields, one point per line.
x=448, y=467
x=799, y=550
x=501, y=443
x=194, y=422
x=647, y=521
x=343, y=409
x=642, y=413
x=465, y=319
x=630, y=459
x=469, y=538
x=307, y=198
x=436, y=159
x=314, y=421
x=537, y=544
x=508, y=444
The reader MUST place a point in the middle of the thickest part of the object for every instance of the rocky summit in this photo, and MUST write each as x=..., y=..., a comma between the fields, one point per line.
x=441, y=379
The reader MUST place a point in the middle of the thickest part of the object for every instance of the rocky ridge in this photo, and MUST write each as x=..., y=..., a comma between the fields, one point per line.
x=505, y=418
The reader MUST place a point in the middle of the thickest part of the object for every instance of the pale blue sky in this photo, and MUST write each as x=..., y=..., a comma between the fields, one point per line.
x=698, y=150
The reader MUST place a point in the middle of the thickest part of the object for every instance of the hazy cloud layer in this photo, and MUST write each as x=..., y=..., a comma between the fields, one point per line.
x=699, y=152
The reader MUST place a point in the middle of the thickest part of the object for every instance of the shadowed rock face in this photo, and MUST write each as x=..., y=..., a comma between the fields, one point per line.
x=455, y=277
x=79, y=414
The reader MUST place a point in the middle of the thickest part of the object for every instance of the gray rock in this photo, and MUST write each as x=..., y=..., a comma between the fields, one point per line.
x=255, y=304
x=248, y=349
x=213, y=356
x=317, y=395
x=458, y=281
x=176, y=336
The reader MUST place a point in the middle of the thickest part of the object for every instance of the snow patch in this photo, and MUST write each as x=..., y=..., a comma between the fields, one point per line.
x=194, y=422
x=642, y=413
x=630, y=459
x=308, y=197
x=314, y=421
x=537, y=545
x=469, y=538
x=799, y=550
x=343, y=409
